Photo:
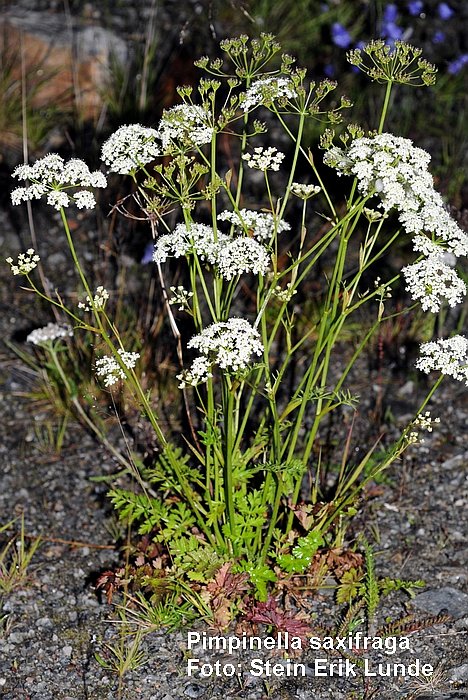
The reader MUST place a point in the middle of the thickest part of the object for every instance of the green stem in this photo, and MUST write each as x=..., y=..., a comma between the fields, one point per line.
x=84, y=416
x=228, y=416
x=386, y=103
x=199, y=512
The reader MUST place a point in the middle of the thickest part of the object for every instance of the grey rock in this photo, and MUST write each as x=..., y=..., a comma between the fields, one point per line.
x=459, y=674
x=16, y=637
x=456, y=461
x=44, y=622
x=194, y=690
x=448, y=600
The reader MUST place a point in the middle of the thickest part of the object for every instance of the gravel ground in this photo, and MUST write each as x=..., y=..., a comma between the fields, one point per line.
x=55, y=624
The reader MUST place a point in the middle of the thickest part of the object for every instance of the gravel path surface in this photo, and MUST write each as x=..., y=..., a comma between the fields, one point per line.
x=54, y=624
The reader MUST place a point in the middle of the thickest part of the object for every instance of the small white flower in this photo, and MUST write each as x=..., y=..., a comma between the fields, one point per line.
x=267, y=90
x=109, y=368
x=413, y=437
x=200, y=371
x=130, y=147
x=99, y=300
x=424, y=421
x=447, y=355
x=84, y=199
x=304, y=191
x=285, y=294
x=259, y=224
x=58, y=199
x=52, y=331
x=76, y=172
x=181, y=296
x=264, y=158
x=25, y=263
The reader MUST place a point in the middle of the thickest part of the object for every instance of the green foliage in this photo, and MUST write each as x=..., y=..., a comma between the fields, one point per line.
x=15, y=557
x=350, y=586
x=173, y=519
x=198, y=561
x=301, y=557
x=360, y=589
x=123, y=656
x=260, y=576
x=372, y=586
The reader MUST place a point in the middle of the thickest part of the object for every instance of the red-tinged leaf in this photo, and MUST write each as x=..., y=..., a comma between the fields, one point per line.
x=109, y=581
x=269, y=614
x=226, y=584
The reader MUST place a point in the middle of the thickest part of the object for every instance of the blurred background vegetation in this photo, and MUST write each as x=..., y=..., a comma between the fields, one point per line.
x=150, y=46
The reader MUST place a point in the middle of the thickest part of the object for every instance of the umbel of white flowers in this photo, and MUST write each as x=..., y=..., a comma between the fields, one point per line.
x=229, y=344
x=53, y=177
x=394, y=170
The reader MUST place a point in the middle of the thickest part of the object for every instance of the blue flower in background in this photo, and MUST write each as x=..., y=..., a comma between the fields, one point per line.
x=390, y=13
x=340, y=35
x=456, y=65
x=329, y=70
x=444, y=10
x=415, y=7
x=438, y=37
x=148, y=254
x=392, y=31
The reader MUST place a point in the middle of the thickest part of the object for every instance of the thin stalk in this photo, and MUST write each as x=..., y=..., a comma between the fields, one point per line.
x=385, y=106
x=273, y=519
x=83, y=415
x=228, y=401
x=217, y=283
x=198, y=511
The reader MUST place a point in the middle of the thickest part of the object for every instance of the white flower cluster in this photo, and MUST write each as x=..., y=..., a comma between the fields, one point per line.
x=199, y=372
x=431, y=280
x=285, y=294
x=25, y=263
x=229, y=344
x=304, y=191
x=447, y=355
x=99, y=300
x=199, y=238
x=258, y=224
x=231, y=256
x=264, y=158
x=109, y=368
x=52, y=331
x=130, y=147
x=51, y=175
x=265, y=91
x=189, y=124
x=422, y=422
x=241, y=255
x=181, y=296
x=391, y=167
